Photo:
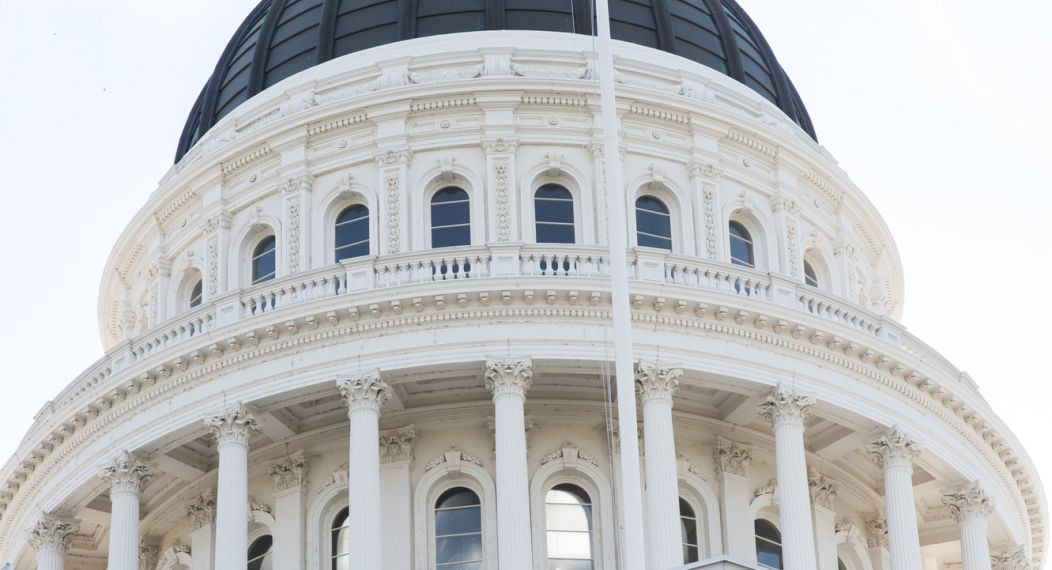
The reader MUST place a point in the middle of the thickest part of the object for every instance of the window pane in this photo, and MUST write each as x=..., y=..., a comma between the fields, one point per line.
x=355, y=212
x=568, y=517
x=450, y=237
x=458, y=549
x=449, y=194
x=741, y=252
x=689, y=529
x=196, y=294
x=569, y=545
x=645, y=240
x=458, y=521
x=553, y=211
x=549, y=233
x=651, y=204
x=352, y=232
x=553, y=191
x=458, y=497
x=767, y=530
x=341, y=541
x=809, y=275
x=655, y=224
x=569, y=564
x=690, y=554
x=263, y=264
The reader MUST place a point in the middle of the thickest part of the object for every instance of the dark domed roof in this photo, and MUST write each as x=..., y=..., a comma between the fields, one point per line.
x=283, y=37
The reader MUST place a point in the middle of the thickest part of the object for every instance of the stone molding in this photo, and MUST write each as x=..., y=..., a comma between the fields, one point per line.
x=363, y=392
x=823, y=489
x=397, y=445
x=127, y=474
x=452, y=460
x=508, y=376
x=569, y=454
x=783, y=406
x=202, y=510
x=968, y=502
x=52, y=533
x=235, y=425
x=894, y=449
x=656, y=382
x=730, y=457
x=290, y=474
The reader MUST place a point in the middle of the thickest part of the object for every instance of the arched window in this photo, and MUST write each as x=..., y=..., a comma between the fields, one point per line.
x=840, y=564
x=553, y=209
x=458, y=530
x=264, y=266
x=352, y=232
x=568, y=518
x=341, y=541
x=653, y=223
x=196, y=294
x=741, y=246
x=259, y=554
x=688, y=522
x=768, y=544
x=810, y=277
x=450, y=217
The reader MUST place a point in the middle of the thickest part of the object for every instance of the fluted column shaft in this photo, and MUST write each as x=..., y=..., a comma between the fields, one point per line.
x=786, y=412
x=233, y=430
x=127, y=476
x=51, y=538
x=508, y=380
x=895, y=452
x=970, y=507
x=365, y=395
x=656, y=386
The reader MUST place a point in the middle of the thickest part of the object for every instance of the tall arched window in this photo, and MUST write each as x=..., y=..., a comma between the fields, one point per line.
x=810, y=277
x=197, y=294
x=259, y=554
x=264, y=266
x=568, y=520
x=768, y=544
x=340, y=539
x=653, y=223
x=688, y=522
x=458, y=530
x=741, y=245
x=450, y=217
x=553, y=210
x=352, y=232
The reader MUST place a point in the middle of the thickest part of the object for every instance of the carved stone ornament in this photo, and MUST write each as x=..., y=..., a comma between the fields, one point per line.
x=729, y=457
x=656, y=382
x=968, y=502
x=452, y=460
x=148, y=554
x=894, y=449
x=255, y=506
x=1015, y=559
x=392, y=183
x=508, y=376
x=52, y=533
x=290, y=474
x=202, y=510
x=500, y=173
x=363, y=392
x=396, y=445
x=127, y=474
x=823, y=490
x=235, y=425
x=569, y=454
x=877, y=530
x=769, y=489
x=785, y=407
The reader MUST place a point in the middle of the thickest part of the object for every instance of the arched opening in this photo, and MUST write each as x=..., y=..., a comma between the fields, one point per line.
x=653, y=223
x=458, y=530
x=450, y=217
x=810, y=275
x=554, y=213
x=689, y=532
x=768, y=544
x=352, y=232
x=742, y=247
x=264, y=263
x=197, y=294
x=568, y=528
x=340, y=539
x=260, y=553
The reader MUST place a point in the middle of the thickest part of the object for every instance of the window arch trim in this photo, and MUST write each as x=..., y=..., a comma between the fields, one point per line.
x=431, y=486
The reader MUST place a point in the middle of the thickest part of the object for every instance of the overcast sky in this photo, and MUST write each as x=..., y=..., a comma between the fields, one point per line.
x=938, y=109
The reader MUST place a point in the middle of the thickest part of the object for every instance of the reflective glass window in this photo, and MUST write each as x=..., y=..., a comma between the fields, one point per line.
x=260, y=556
x=741, y=245
x=568, y=516
x=450, y=218
x=458, y=530
x=196, y=294
x=263, y=261
x=340, y=541
x=653, y=223
x=352, y=232
x=689, y=530
x=768, y=544
x=553, y=209
x=810, y=277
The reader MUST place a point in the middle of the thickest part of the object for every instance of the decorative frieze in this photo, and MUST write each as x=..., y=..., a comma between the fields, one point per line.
x=363, y=391
x=235, y=425
x=894, y=448
x=128, y=473
x=729, y=457
x=656, y=382
x=784, y=406
x=968, y=502
x=823, y=489
x=397, y=445
x=500, y=172
x=508, y=376
x=202, y=510
x=568, y=453
x=52, y=533
x=290, y=474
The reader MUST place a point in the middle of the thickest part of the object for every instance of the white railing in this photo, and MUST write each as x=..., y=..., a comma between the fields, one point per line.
x=263, y=299
x=581, y=261
x=431, y=266
x=703, y=274
x=172, y=333
x=829, y=307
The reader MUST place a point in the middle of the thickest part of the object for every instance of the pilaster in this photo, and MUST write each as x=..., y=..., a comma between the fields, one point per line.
x=823, y=494
x=216, y=239
x=732, y=473
x=503, y=196
x=290, y=484
x=393, y=173
x=877, y=541
x=397, y=447
x=705, y=179
x=296, y=216
x=202, y=514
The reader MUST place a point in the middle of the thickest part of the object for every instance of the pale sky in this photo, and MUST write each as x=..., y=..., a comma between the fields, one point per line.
x=937, y=109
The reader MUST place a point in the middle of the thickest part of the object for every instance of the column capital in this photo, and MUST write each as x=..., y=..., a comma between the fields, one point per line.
x=52, y=533
x=509, y=376
x=783, y=406
x=128, y=473
x=289, y=474
x=1014, y=559
x=202, y=510
x=823, y=489
x=397, y=445
x=148, y=555
x=363, y=391
x=968, y=502
x=235, y=425
x=894, y=449
x=656, y=382
x=876, y=530
x=729, y=457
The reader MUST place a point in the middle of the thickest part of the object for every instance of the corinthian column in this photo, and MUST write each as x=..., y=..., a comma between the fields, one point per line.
x=895, y=452
x=656, y=386
x=508, y=379
x=51, y=537
x=127, y=476
x=786, y=411
x=970, y=506
x=233, y=430
x=365, y=394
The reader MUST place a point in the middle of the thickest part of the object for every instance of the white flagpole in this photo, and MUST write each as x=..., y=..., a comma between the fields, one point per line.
x=617, y=229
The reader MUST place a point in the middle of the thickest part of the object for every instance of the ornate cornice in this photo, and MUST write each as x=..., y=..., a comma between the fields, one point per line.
x=363, y=392
x=508, y=376
x=397, y=445
x=656, y=382
x=823, y=489
x=52, y=533
x=202, y=510
x=729, y=457
x=782, y=406
x=894, y=449
x=235, y=425
x=289, y=474
x=968, y=502
x=127, y=474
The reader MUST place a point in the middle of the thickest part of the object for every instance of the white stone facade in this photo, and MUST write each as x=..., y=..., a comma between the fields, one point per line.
x=381, y=382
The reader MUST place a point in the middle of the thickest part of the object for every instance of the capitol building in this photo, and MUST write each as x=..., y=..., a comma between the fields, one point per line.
x=378, y=316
